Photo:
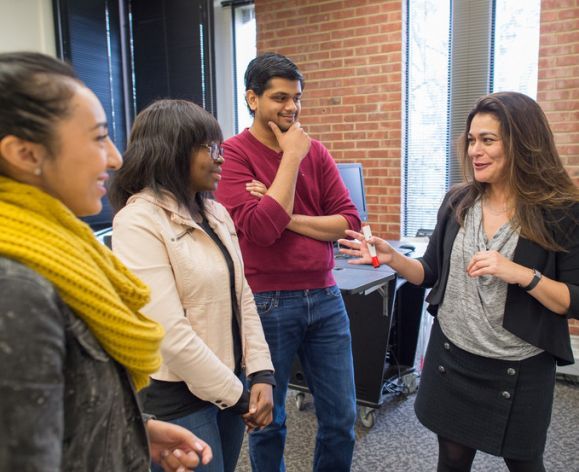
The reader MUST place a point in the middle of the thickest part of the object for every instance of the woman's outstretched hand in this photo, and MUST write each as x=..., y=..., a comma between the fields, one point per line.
x=358, y=247
x=406, y=267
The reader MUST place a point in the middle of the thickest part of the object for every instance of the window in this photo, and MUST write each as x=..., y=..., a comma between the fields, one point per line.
x=456, y=51
x=89, y=37
x=244, y=40
x=131, y=52
x=426, y=153
x=172, y=42
x=516, y=48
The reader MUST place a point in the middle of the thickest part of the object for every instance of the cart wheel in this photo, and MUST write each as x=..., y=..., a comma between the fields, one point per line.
x=367, y=416
x=300, y=400
x=409, y=384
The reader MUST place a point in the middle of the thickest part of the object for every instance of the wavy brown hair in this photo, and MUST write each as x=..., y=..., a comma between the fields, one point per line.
x=541, y=188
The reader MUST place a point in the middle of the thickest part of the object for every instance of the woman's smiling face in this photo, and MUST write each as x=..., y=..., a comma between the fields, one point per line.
x=485, y=149
x=77, y=172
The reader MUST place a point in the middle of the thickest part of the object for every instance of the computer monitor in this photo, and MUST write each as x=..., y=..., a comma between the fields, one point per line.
x=353, y=179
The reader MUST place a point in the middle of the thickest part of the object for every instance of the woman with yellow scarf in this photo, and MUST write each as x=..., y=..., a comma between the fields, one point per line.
x=74, y=347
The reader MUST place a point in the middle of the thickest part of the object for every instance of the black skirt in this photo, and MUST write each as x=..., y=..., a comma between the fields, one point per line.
x=499, y=407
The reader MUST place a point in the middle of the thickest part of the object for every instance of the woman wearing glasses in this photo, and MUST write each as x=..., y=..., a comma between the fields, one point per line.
x=183, y=244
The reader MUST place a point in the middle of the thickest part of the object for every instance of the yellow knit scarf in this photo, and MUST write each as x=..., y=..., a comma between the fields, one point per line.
x=40, y=232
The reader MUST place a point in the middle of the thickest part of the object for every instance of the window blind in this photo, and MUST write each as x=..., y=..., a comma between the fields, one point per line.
x=470, y=70
x=88, y=37
x=426, y=109
x=448, y=58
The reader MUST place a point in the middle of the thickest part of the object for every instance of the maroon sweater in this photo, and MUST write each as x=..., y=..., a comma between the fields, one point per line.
x=276, y=258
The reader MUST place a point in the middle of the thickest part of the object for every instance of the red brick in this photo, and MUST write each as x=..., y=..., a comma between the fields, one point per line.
x=558, y=27
x=369, y=11
x=342, y=127
x=353, y=99
x=557, y=4
x=332, y=25
x=355, y=42
x=331, y=64
x=568, y=13
x=367, y=30
x=367, y=50
x=324, y=17
x=305, y=11
x=325, y=7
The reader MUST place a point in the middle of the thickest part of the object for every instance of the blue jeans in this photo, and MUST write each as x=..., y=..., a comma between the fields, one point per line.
x=313, y=324
x=222, y=430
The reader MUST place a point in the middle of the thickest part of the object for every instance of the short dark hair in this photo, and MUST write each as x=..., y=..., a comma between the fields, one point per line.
x=35, y=93
x=158, y=155
x=266, y=67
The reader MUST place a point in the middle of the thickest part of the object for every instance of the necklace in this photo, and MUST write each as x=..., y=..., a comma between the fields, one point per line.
x=495, y=212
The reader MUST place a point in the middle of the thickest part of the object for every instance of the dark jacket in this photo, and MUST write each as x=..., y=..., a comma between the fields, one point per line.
x=524, y=316
x=64, y=403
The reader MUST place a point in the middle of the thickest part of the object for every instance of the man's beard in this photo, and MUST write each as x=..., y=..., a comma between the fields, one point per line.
x=283, y=125
x=283, y=128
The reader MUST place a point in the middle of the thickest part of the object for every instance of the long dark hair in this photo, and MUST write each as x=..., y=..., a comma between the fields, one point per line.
x=538, y=182
x=35, y=93
x=164, y=137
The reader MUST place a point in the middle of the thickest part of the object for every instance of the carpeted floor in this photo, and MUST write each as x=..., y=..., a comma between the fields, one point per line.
x=399, y=443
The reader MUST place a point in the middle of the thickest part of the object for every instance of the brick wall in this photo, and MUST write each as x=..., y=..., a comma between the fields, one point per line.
x=351, y=55
x=558, y=88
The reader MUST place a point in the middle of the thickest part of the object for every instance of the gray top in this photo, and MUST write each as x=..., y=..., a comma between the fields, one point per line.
x=471, y=314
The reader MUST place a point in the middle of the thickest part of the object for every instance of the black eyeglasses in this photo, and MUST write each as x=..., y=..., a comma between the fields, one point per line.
x=215, y=150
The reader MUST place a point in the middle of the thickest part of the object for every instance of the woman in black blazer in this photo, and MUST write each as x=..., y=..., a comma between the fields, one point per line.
x=503, y=264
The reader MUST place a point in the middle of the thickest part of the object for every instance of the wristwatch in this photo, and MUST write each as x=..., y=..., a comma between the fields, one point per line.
x=536, y=278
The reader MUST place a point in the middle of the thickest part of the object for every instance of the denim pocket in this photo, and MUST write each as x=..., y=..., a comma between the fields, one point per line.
x=264, y=303
x=333, y=291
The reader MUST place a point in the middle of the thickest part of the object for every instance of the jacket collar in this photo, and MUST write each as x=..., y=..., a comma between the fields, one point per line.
x=178, y=213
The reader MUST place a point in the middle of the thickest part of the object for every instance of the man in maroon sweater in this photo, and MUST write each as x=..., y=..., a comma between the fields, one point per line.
x=288, y=203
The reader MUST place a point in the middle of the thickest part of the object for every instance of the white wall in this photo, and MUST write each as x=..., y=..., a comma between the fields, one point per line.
x=27, y=25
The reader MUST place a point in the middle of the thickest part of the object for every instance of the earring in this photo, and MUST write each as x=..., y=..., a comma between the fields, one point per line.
x=38, y=171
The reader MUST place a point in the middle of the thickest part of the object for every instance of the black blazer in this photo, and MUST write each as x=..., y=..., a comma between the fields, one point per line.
x=524, y=316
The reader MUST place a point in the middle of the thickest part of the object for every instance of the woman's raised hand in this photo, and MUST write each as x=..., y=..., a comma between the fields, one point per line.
x=358, y=247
